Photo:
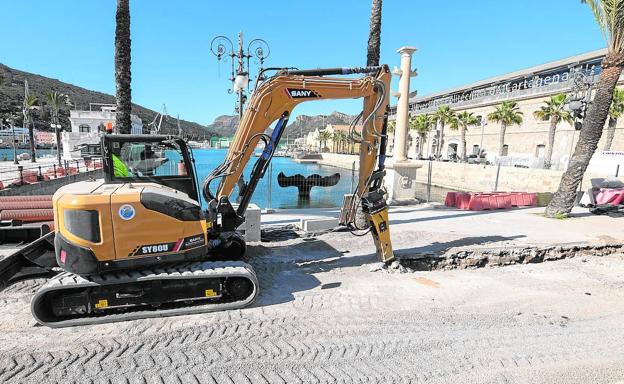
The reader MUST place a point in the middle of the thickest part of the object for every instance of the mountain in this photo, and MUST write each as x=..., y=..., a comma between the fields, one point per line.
x=12, y=94
x=225, y=125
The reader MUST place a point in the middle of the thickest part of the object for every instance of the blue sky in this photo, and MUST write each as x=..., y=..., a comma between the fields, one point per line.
x=458, y=42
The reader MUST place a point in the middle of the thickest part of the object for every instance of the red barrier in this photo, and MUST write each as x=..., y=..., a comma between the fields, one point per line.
x=4, y=199
x=28, y=215
x=494, y=200
x=479, y=202
x=25, y=204
x=449, y=201
x=462, y=200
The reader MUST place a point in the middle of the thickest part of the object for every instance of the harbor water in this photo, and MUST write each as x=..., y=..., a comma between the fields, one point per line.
x=320, y=197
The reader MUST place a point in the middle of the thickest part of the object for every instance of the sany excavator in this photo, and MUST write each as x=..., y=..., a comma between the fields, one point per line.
x=137, y=243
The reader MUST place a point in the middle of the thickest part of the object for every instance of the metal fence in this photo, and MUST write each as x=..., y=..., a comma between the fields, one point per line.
x=30, y=173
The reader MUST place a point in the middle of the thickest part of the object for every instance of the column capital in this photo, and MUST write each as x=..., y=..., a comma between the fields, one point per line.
x=406, y=50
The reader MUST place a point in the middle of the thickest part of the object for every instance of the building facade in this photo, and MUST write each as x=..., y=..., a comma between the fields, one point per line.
x=21, y=136
x=87, y=127
x=45, y=138
x=524, y=144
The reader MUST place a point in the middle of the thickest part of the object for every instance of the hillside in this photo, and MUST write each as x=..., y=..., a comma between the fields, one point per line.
x=12, y=94
x=225, y=125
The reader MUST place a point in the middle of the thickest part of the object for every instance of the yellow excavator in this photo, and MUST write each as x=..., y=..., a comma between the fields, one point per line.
x=138, y=244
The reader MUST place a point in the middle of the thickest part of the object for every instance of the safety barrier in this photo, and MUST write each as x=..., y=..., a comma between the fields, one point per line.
x=492, y=200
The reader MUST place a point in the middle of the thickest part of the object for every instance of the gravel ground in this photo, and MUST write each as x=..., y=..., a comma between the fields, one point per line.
x=323, y=317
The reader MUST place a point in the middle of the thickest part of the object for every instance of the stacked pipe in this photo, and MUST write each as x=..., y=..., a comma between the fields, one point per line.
x=27, y=209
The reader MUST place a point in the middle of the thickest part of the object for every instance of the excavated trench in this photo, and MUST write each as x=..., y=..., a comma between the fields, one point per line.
x=497, y=257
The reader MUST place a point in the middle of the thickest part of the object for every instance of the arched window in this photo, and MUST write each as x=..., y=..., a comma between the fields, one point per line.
x=505, y=150
x=84, y=128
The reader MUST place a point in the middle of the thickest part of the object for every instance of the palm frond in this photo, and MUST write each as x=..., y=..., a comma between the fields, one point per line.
x=609, y=15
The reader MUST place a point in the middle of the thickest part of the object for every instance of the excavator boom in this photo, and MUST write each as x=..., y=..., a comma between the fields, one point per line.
x=274, y=100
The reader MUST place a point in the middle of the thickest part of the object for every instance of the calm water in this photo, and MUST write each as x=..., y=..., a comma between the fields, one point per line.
x=6, y=154
x=320, y=197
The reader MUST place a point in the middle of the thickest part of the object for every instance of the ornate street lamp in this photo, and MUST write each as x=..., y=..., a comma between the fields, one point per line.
x=578, y=99
x=222, y=47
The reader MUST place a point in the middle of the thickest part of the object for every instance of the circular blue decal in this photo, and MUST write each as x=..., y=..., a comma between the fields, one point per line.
x=126, y=212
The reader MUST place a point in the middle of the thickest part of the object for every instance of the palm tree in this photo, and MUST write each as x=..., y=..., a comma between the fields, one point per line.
x=609, y=15
x=553, y=111
x=323, y=137
x=462, y=121
x=122, y=67
x=374, y=35
x=443, y=115
x=421, y=124
x=55, y=101
x=337, y=138
x=30, y=104
x=507, y=113
x=615, y=112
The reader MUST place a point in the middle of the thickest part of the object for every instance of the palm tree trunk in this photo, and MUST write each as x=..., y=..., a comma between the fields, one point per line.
x=122, y=67
x=610, y=133
x=374, y=35
x=551, y=143
x=421, y=146
x=31, y=137
x=593, y=125
x=501, y=139
x=57, y=134
x=440, y=138
x=462, y=144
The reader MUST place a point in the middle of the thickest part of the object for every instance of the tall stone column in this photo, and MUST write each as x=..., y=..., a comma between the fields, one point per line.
x=402, y=117
x=400, y=180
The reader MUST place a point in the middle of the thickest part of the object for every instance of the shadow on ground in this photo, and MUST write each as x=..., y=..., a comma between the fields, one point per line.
x=284, y=270
x=442, y=247
x=452, y=214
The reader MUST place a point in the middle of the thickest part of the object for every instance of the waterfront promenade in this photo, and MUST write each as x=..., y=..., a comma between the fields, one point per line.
x=327, y=313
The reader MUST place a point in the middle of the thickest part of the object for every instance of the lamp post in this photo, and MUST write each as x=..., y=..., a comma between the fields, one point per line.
x=12, y=123
x=482, y=123
x=223, y=47
x=57, y=135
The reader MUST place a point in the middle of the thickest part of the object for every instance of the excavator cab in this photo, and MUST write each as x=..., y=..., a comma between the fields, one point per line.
x=160, y=159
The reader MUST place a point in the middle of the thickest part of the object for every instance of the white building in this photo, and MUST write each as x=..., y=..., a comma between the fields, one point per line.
x=87, y=127
x=21, y=136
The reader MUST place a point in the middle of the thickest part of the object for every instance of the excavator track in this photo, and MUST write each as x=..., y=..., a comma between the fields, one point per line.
x=180, y=289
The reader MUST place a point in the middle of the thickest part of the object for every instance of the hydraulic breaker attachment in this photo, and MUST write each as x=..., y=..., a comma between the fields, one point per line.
x=376, y=213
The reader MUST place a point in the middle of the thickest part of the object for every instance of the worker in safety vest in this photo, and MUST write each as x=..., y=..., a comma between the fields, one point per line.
x=119, y=168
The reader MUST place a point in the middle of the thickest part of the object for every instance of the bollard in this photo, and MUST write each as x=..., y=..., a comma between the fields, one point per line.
x=617, y=170
x=77, y=167
x=54, y=166
x=40, y=177
x=20, y=168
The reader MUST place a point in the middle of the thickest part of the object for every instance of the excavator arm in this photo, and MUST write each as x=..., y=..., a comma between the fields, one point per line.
x=274, y=100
